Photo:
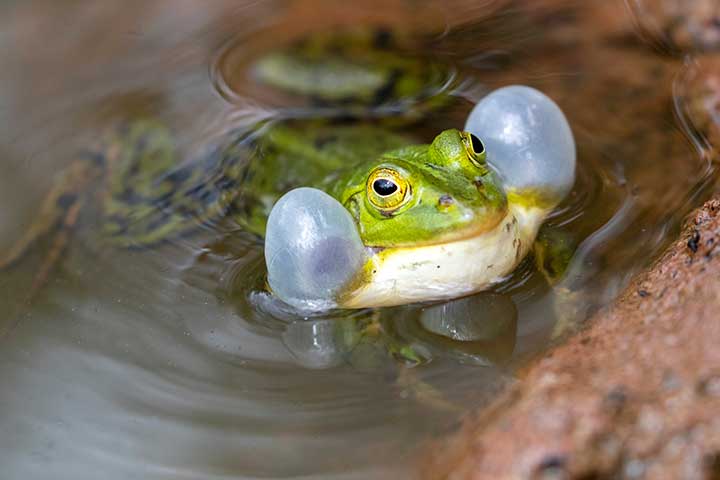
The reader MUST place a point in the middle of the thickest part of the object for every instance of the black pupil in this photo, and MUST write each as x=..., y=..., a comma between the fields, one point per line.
x=384, y=187
x=477, y=144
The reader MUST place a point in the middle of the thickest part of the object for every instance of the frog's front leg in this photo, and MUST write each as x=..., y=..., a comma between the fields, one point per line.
x=553, y=250
x=57, y=217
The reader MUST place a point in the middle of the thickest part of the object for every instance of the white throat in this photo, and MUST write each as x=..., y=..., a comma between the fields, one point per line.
x=436, y=272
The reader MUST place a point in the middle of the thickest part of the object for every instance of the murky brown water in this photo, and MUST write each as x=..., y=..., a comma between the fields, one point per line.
x=170, y=363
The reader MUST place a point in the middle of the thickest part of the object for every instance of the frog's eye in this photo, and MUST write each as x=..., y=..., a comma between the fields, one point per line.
x=387, y=189
x=475, y=148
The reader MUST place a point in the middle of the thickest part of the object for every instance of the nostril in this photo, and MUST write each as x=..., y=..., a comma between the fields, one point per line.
x=445, y=201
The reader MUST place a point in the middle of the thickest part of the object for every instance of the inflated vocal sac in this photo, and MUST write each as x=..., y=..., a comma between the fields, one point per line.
x=312, y=249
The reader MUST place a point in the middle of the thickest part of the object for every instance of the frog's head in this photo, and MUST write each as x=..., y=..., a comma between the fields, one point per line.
x=404, y=205
x=424, y=194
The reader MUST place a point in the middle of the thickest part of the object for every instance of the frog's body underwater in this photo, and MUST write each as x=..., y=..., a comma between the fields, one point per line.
x=387, y=221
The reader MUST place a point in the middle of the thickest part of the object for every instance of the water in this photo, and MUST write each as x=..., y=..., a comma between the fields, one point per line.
x=170, y=362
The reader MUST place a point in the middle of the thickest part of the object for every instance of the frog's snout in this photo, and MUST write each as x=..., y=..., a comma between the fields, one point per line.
x=312, y=249
x=528, y=140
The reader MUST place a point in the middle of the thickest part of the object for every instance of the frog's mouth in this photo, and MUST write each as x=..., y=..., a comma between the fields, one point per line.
x=481, y=225
x=400, y=275
x=316, y=259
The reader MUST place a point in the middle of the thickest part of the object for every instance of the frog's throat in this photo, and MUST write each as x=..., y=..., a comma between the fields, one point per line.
x=396, y=276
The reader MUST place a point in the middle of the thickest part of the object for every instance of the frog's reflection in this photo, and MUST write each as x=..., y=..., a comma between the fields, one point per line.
x=479, y=329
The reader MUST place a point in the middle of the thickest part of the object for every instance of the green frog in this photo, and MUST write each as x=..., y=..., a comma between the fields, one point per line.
x=436, y=219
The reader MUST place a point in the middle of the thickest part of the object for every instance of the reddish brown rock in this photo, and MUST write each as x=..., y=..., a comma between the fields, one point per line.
x=636, y=395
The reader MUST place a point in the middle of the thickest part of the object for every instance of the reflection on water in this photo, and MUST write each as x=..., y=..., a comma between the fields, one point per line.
x=172, y=362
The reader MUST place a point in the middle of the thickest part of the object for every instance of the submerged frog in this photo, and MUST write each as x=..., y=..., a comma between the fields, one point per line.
x=400, y=221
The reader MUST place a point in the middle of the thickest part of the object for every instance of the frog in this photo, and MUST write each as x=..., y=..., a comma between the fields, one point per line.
x=430, y=221
x=439, y=219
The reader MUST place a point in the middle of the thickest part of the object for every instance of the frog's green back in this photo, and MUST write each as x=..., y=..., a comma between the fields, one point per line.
x=314, y=154
x=151, y=195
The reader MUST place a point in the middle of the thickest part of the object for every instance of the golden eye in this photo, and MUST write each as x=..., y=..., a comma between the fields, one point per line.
x=387, y=189
x=475, y=148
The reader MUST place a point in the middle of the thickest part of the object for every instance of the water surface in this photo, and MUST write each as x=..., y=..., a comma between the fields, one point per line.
x=170, y=362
